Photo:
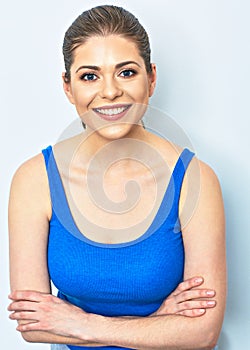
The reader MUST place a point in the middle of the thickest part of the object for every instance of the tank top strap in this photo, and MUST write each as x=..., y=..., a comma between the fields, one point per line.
x=46, y=154
x=176, y=182
x=55, y=184
x=180, y=169
x=169, y=208
x=60, y=208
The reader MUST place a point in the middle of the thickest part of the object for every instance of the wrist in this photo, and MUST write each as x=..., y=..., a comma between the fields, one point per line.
x=95, y=327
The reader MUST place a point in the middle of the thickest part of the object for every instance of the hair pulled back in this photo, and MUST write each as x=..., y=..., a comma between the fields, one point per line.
x=103, y=21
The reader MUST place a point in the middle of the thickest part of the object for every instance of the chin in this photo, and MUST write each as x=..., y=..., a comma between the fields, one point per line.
x=116, y=131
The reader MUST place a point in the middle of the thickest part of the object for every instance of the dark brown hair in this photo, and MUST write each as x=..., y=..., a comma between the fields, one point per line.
x=102, y=21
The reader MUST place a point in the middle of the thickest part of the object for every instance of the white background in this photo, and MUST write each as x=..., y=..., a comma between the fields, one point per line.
x=202, y=52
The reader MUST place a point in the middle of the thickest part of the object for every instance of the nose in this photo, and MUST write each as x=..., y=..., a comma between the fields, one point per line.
x=110, y=89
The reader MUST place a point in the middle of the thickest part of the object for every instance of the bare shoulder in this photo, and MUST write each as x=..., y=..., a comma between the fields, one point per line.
x=204, y=175
x=210, y=190
x=207, y=172
x=198, y=173
x=30, y=183
x=34, y=166
x=200, y=194
x=169, y=151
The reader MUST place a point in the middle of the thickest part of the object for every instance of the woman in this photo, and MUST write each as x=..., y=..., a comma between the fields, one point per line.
x=116, y=258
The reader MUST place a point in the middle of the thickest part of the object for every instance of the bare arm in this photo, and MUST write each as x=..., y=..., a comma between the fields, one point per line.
x=29, y=214
x=169, y=332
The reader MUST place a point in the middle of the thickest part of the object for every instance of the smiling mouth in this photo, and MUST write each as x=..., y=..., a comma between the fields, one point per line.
x=112, y=114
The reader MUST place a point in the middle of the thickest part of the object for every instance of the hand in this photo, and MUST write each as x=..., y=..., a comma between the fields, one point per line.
x=185, y=300
x=45, y=312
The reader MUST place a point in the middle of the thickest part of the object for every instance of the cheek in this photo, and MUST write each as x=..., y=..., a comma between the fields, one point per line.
x=83, y=96
x=139, y=91
x=142, y=95
x=144, y=90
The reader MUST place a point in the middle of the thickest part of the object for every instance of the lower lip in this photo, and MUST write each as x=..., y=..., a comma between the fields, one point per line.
x=114, y=117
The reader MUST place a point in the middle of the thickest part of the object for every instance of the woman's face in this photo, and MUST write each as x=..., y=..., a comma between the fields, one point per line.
x=109, y=85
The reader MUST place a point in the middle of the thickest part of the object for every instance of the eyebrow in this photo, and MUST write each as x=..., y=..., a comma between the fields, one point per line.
x=117, y=66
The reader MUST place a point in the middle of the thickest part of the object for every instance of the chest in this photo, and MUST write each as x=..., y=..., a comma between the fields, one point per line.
x=115, y=209
x=140, y=273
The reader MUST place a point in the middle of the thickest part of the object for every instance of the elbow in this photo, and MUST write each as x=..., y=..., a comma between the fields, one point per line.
x=205, y=337
x=207, y=333
x=212, y=340
x=29, y=337
x=208, y=341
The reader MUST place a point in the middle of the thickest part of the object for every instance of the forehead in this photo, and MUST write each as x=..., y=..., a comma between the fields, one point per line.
x=106, y=50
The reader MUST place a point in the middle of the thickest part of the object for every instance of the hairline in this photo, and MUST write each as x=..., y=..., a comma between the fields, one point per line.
x=84, y=40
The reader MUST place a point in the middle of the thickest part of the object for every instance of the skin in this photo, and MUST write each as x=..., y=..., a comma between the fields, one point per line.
x=109, y=84
x=40, y=315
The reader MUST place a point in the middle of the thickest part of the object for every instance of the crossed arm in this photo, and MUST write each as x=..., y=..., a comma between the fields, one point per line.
x=184, y=321
x=50, y=311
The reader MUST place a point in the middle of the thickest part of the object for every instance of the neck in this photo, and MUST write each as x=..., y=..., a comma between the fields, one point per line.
x=105, y=150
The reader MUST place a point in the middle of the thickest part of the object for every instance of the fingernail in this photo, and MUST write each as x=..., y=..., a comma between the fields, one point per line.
x=198, y=280
x=211, y=303
x=210, y=292
x=201, y=311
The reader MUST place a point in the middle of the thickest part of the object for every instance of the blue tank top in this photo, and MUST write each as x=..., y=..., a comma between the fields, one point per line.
x=126, y=279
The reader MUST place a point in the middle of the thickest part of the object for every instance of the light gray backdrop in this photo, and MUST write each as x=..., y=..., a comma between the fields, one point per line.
x=202, y=52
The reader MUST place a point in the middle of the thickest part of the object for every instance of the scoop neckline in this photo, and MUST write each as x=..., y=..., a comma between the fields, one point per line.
x=77, y=233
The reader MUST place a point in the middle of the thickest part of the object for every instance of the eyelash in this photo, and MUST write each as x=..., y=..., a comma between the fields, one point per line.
x=129, y=70
x=83, y=76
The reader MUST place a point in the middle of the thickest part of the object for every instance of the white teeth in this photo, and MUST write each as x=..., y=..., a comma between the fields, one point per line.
x=111, y=111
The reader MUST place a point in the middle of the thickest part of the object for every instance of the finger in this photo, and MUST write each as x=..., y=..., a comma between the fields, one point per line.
x=199, y=304
x=30, y=295
x=194, y=294
x=23, y=306
x=23, y=315
x=32, y=326
x=188, y=284
x=192, y=313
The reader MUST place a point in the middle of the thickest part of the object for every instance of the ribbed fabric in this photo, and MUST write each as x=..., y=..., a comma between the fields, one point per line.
x=130, y=278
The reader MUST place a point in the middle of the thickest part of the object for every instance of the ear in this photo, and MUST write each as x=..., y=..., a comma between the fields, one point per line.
x=67, y=89
x=152, y=79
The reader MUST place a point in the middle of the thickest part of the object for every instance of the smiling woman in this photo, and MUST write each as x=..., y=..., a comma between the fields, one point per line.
x=109, y=215
x=107, y=77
